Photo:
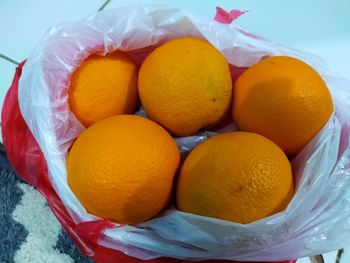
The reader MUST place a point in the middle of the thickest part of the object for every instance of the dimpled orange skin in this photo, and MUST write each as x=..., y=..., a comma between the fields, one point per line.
x=185, y=85
x=122, y=168
x=236, y=176
x=283, y=99
x=103, y=86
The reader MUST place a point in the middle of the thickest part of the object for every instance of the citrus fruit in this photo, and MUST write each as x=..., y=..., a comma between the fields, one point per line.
x=283, y=99
x=103, y=86
x=185, y=85
x=235, y=176
x=122, y=168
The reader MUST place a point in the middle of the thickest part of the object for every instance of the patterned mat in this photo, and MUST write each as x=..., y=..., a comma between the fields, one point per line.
x=29, y=232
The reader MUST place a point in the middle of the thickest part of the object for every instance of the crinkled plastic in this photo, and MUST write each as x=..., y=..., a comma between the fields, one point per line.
x=316, y=220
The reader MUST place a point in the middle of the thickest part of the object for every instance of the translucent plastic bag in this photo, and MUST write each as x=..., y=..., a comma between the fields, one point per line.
x=316, y=220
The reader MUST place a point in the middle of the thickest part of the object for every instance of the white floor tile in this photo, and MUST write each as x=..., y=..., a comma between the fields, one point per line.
x=7, y=71
x=330, y=257
x=23, y=22
x=323, y=32
x=303, y=260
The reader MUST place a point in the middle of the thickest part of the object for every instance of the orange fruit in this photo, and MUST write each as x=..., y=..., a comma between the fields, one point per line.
x=185, y=85
x=103, y=86
x=235, y=176
x=283, y=99
x=122, y=168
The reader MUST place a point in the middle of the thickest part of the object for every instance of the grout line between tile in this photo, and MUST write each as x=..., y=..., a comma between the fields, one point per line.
x=9, y=59
x=317, y=259
x=104, y=5
x=339, y=254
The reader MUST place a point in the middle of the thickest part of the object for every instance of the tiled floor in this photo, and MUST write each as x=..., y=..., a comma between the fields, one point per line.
x=319, y=27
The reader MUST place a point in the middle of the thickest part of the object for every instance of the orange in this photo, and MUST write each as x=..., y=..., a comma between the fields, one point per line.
x=235, y=176
x=283, y=99
x=103, y=86
x=122, y=168
x=185, y=85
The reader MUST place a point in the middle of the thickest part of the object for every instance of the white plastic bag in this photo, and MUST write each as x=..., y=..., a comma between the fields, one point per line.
x=316, y=221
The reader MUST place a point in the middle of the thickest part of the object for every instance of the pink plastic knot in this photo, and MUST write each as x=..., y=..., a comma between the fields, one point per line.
x=224, y=17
